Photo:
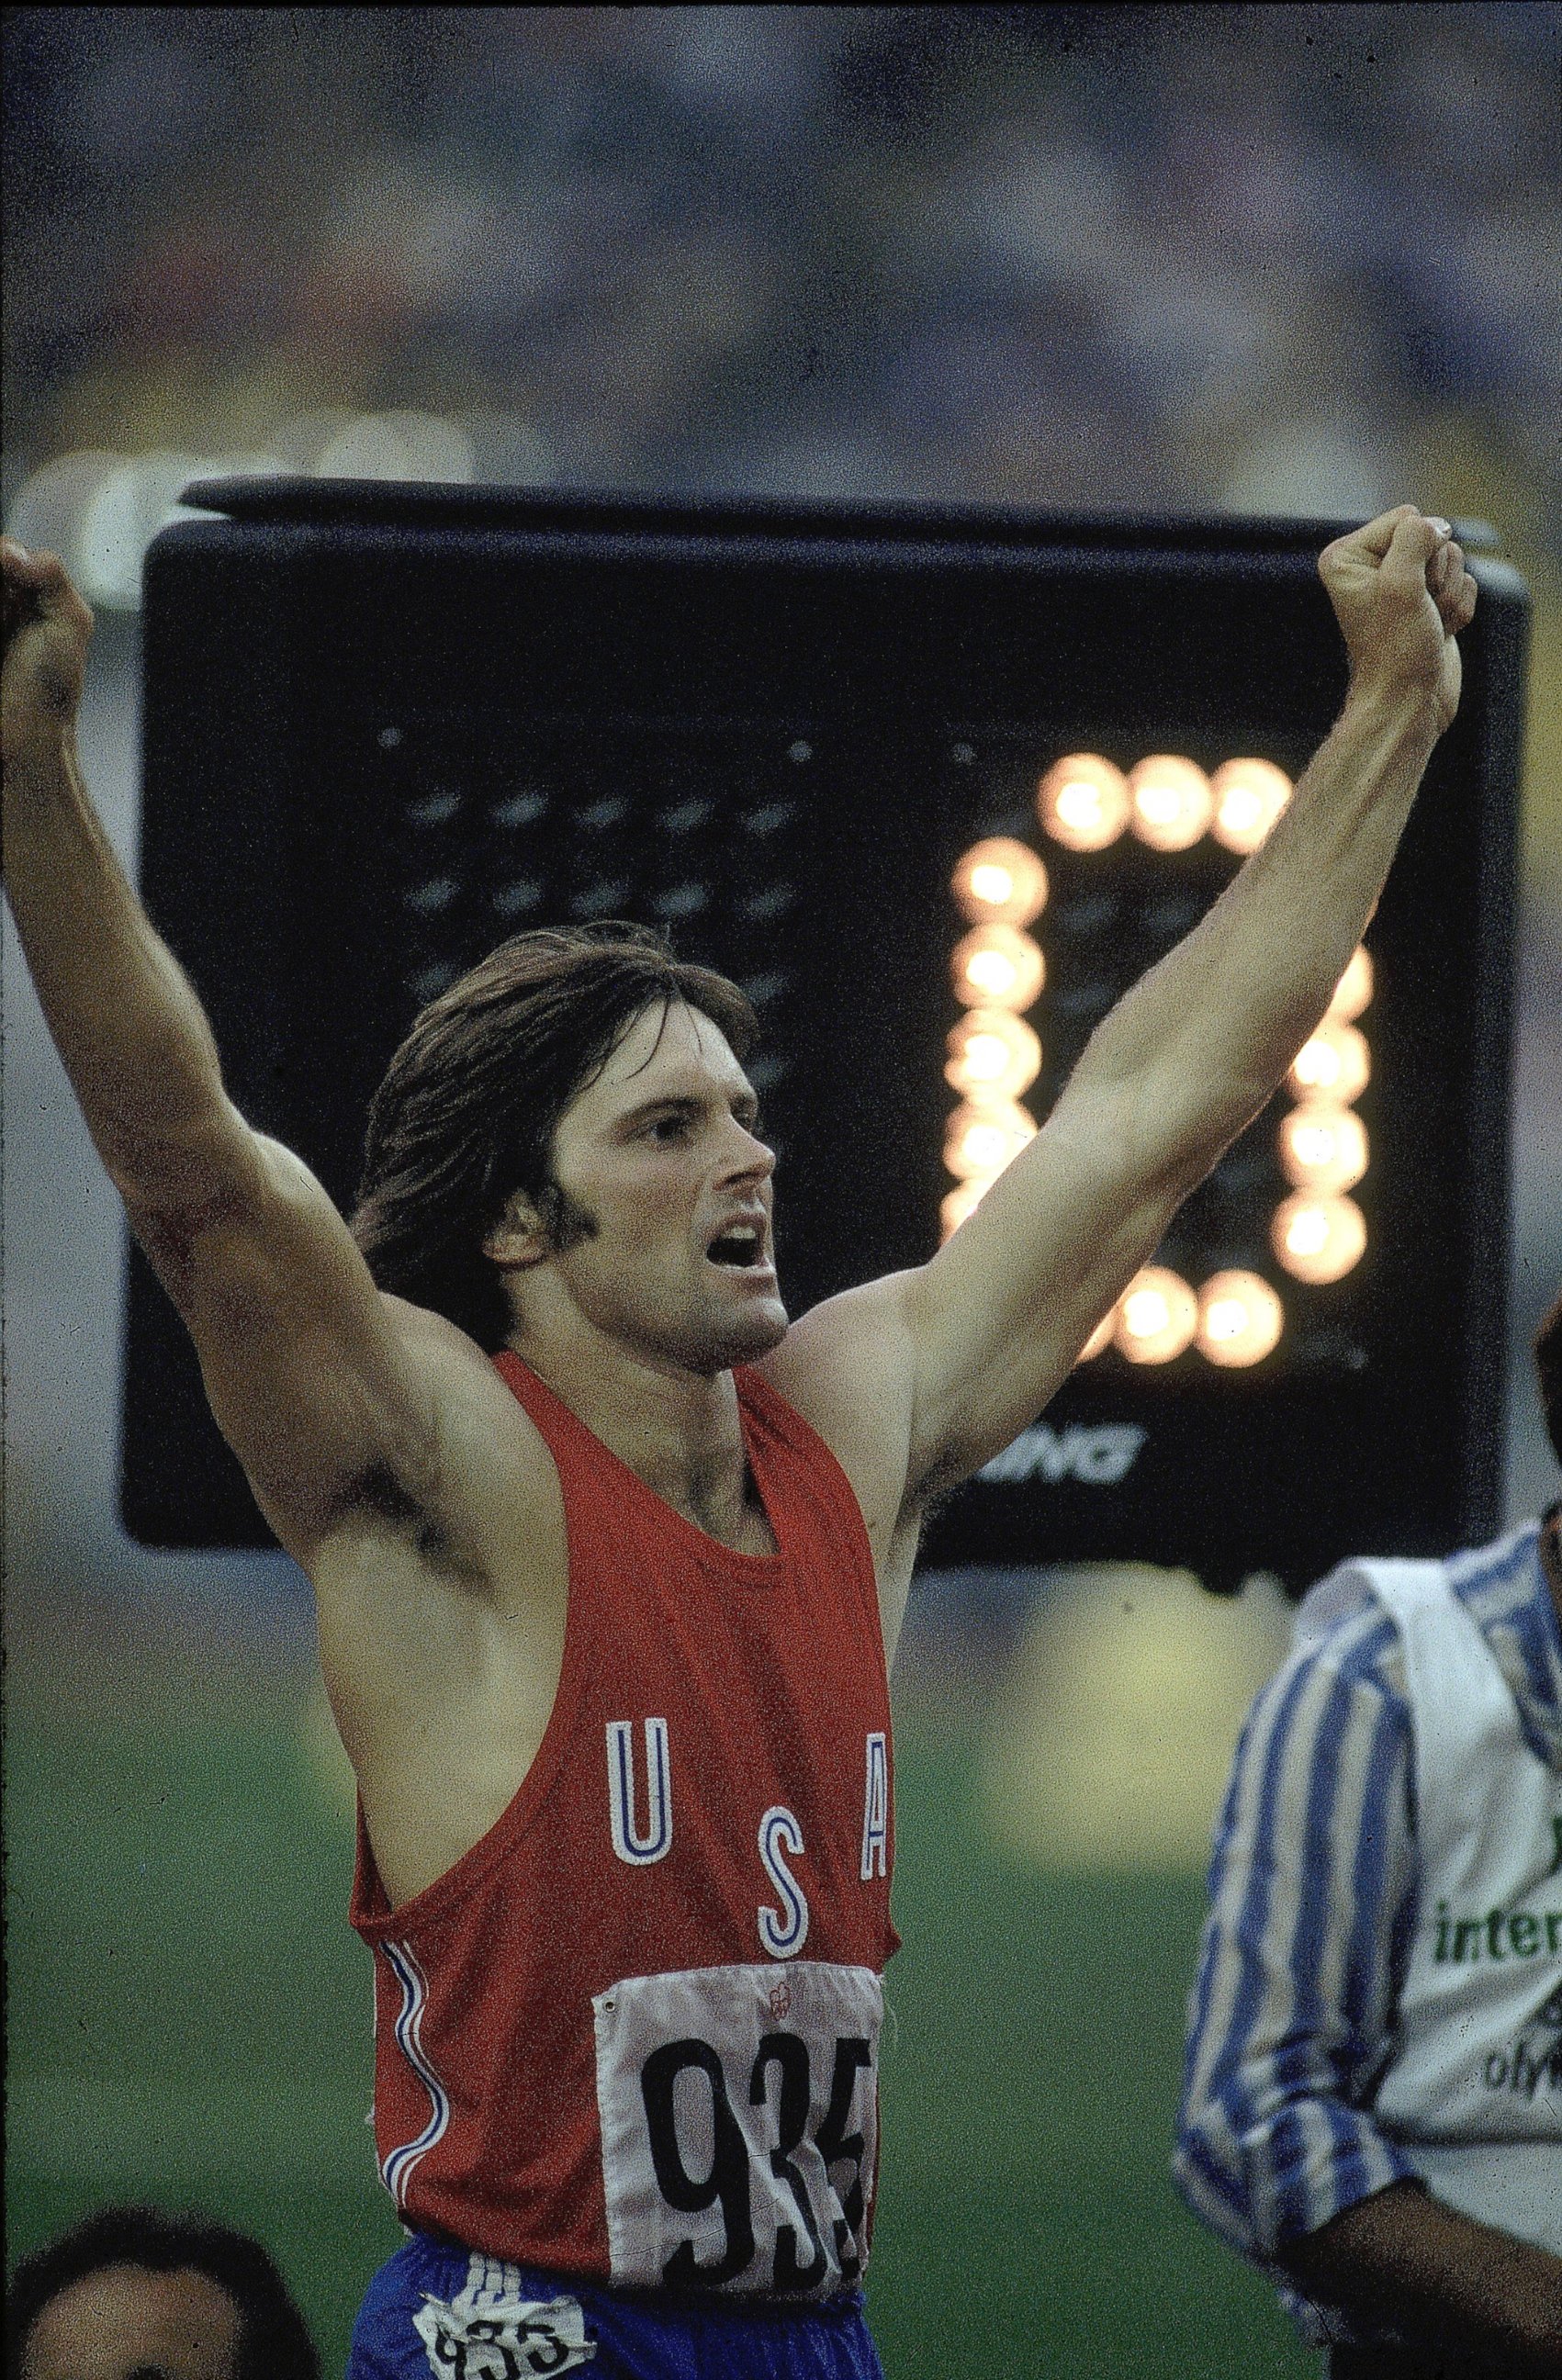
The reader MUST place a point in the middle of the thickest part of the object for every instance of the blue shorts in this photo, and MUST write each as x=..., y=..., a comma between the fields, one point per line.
x=441, y=2313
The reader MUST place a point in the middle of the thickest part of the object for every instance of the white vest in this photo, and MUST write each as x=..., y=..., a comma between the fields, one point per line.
x=1472, y=2093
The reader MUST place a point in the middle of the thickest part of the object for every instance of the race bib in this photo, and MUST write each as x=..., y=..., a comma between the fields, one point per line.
x=739, y=2126
x=484, y=2334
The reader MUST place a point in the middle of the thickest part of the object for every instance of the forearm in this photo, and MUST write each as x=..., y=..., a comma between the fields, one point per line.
x=1401, y=2257
x=127, y=1026
x=1201, y=1041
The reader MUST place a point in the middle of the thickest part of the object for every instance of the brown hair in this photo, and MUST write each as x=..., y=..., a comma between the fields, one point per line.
x=466, y=1114
x=1548, y=1364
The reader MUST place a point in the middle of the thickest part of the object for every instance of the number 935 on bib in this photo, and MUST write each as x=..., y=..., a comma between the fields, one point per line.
x=738, y=2109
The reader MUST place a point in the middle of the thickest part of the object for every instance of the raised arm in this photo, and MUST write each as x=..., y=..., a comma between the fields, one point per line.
x=306, y=1371
x=990, y=1328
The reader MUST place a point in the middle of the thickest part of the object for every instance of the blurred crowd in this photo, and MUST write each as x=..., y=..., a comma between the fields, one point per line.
x=1079, y=256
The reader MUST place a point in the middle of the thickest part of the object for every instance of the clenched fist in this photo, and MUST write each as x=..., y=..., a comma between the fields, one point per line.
x=46, y=629
x=1401, y=594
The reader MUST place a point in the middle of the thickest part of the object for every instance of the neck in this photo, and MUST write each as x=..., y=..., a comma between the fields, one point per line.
x=678, y=1431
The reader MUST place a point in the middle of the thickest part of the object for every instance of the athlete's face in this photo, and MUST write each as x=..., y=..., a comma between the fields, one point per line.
x=123, y=2320
x=663, y=1155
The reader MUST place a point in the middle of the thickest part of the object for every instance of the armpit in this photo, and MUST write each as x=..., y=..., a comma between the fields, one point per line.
x=378, y=1490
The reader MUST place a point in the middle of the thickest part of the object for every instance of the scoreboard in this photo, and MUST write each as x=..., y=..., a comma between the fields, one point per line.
x=935, y=786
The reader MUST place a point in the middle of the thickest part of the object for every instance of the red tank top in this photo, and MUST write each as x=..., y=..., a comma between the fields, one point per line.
x=632, y=2034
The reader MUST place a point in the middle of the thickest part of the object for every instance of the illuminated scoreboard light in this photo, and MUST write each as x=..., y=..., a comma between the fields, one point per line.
x=1235, y=1318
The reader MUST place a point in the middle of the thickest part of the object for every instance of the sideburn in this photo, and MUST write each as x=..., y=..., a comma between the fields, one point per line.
x=565, y=1222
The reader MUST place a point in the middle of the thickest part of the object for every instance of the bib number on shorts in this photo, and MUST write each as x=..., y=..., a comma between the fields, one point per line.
x=484, y=2337
x=739, y=2126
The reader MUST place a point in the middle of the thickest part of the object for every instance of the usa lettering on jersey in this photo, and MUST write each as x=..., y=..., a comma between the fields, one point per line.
x=783, y=1924
x=640, y=1846
x=782, y=1931
x=875, y=1809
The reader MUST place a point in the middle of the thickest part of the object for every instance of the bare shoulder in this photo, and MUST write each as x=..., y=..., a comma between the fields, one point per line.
x=846, y=1366
x=480, y=1484
x=444, y=1352
x=476, y=1416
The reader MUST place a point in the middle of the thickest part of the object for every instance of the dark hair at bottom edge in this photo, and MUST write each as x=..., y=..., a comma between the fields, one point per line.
x=273, y=2344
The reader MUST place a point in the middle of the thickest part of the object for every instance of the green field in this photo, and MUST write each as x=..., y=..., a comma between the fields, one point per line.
x=190, y=2024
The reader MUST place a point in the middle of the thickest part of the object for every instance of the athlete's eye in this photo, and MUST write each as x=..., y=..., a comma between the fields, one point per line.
x=670, y=1127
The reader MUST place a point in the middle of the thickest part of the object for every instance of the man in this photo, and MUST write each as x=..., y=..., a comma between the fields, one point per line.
x=609, y=1559
x=1373, y=2103
x=133, y=2294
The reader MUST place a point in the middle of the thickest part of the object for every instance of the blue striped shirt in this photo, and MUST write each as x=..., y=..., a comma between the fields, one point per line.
x=1313, y=1909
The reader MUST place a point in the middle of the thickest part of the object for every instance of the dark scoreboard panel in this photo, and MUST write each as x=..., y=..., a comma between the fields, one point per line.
x=387, y=727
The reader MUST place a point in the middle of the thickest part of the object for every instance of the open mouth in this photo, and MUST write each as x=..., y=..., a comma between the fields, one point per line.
x=738, y=1249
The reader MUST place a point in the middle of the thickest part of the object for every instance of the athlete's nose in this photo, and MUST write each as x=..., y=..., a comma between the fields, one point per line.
x=751, y=1155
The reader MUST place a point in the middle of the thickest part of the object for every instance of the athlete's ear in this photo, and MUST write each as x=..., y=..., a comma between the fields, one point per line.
x=519, y=1237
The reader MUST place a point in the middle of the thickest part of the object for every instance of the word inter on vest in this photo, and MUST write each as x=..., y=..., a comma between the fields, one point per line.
x=1526, y=1934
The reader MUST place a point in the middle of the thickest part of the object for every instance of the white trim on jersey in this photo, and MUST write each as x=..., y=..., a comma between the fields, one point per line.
x=397, y=2166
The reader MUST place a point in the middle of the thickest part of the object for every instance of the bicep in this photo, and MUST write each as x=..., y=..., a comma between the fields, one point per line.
x=1003, y=1309
x=965, y=1350
x=846, y=1366
x=997, y=1317
x=305, y=1371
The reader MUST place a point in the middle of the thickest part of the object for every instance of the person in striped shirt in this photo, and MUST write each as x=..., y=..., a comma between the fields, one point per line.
x=1372, y=2107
